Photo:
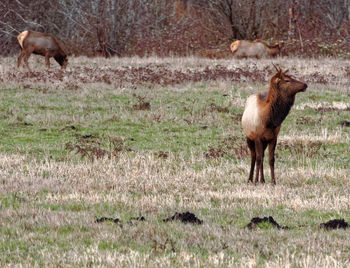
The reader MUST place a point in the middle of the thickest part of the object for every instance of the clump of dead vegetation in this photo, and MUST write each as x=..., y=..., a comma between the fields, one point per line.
x=298, y=147
x=213, y=107
x=95, y=147
x=162, y=154
x=231, y=147
x=142, y=104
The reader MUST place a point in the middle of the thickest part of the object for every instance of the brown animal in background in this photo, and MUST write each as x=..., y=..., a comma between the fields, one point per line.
x=43, y=44
x=254, y=49
x=262, y=118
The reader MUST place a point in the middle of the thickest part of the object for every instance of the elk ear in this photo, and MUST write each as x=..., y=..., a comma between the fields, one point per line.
x=276, y=80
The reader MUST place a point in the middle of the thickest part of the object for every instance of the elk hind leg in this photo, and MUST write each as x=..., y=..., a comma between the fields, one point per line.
x=272, y=147
x=26, y=56
x=259, y=158
x=19, y=59
x=262, y=179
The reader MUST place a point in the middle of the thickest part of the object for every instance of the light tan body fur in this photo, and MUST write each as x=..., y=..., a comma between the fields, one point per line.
x=21, y=37
x=254, y=49
x=252, y=120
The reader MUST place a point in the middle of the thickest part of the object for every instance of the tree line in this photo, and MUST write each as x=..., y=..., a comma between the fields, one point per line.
x=176, y=27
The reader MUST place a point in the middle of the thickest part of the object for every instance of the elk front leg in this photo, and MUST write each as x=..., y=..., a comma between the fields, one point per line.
x=259, y=158
x=251, y=146
x=47, y=59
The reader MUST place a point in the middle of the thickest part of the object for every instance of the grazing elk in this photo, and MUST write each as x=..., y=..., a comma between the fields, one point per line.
x=262, y=118
x=43, y=44
x=254, y=49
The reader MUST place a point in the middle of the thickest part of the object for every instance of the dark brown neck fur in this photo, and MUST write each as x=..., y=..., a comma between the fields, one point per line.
x=279, y=106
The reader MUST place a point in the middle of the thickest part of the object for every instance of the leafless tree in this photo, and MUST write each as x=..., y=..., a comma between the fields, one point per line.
x=163, y=27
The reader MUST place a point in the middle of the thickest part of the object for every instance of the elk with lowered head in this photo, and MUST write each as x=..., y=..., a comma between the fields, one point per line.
x=262, y=118
x=43, y=44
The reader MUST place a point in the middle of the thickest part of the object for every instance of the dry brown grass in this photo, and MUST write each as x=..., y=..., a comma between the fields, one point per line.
x=49, y=206
x=147, y=185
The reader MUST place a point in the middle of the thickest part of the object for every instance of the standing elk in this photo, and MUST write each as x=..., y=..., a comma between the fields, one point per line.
x=262, y=118
x=43, y=44
x=254, y=49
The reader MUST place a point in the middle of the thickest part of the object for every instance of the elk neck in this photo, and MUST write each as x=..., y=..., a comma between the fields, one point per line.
x=279, y=106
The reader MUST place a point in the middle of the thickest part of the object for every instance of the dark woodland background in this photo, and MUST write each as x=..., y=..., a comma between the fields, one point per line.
x=180, y=27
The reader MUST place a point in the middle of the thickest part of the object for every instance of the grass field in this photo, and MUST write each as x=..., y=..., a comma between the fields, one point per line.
x=132, y=137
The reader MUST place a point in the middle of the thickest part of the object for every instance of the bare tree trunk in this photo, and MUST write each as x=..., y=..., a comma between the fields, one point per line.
x=251, y=21
x=291, y=22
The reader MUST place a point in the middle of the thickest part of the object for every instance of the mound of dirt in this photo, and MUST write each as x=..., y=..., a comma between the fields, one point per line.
x=255, y=221
x=186, y=217
x=335, y=224
x=116, y=220
x=345, y=123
